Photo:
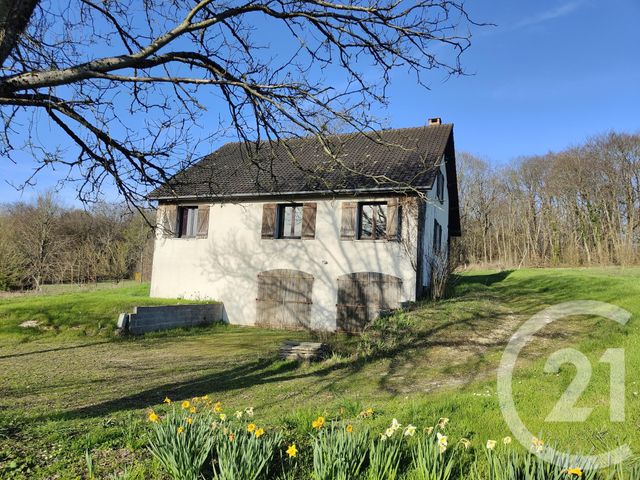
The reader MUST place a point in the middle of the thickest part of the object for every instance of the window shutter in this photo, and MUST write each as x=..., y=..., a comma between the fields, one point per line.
x=269, y=220
x=348, y=224
x=309, y=221
x=393, y=219
x=203, y=221
x=167, y=220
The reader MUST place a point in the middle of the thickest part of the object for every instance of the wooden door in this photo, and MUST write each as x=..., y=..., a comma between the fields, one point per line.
x=363, y=296
x=284, y=299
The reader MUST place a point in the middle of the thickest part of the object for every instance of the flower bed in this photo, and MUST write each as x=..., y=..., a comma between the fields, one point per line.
x=197, y=438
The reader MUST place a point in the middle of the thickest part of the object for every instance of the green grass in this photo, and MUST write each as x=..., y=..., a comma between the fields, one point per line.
x=62, y=393
x=86, y=310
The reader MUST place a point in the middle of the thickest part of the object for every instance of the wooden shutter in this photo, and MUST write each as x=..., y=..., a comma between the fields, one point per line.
x=269, y=220
x=348, y=224
x=203, y=221
x=167, y=220
x=393, y=219
x=309, y=221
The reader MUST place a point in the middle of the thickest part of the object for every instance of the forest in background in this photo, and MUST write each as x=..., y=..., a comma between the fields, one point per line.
x=44, y=242
x=578, y=207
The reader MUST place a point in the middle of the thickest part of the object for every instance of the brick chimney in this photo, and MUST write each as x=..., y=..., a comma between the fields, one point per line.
x=435, y=121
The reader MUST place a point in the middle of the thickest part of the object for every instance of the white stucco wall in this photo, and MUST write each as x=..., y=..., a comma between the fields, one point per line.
x=225, y=265
x=434, y=210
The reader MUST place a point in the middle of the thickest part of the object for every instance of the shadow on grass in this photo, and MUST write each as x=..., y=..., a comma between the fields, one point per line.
x=56, y=349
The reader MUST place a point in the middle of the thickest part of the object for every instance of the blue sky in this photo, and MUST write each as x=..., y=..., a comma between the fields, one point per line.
x=549, y=75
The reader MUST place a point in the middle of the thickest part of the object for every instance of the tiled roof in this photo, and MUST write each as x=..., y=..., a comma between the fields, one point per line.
x=387, y=160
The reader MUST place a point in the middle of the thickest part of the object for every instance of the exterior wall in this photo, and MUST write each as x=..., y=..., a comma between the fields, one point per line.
x=434, y=210
x=224, y=266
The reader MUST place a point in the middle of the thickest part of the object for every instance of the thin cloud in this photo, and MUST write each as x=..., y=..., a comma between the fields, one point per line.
x=550, y=14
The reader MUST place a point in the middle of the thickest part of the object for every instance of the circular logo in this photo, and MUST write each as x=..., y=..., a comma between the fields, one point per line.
x=564, y=411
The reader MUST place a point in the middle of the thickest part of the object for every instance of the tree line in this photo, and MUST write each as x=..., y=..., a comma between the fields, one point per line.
x=577, y=207
x=44, y=242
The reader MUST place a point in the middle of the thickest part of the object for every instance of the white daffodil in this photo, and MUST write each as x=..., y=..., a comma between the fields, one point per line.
x=389, y=432
x=410, y=431
x=442, y=442
x=443, y=422
x=506, y=440
x=238, y=414
x=395, y=424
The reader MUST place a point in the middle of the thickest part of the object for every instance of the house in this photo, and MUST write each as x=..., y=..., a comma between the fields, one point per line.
x=290, y=237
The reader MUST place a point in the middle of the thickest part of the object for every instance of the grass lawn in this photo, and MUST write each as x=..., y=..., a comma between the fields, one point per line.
x=69, y=386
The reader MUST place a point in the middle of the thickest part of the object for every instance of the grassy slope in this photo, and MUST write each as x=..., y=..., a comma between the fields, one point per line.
x=86, y=310
x=60, y=395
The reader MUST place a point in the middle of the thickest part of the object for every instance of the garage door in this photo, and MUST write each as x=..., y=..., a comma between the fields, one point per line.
x=363, y=296
x=284, y=299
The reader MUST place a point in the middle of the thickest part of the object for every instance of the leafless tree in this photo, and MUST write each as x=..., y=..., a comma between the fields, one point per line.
x=129, y=81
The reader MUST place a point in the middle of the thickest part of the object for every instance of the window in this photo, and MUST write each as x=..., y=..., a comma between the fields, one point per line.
x=440, y=187
x=437, y=237
x=187, y=222
x=372, y=221
x=290, y=221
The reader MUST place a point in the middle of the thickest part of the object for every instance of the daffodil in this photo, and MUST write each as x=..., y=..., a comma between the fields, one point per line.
x=238, y=414
x=389, y=432
x=442, y=442
x=575, y=471
x=249, y=411
x=410, y=431
x=217, y=407
x=506, y=440
x=318, y=423
x=443, y=422
x=153, y=417
x=466, y=443
x=349, y=428
x=167, y=400
x=232, y=437
x=491, y=444
x=259, y=432
x=186, y=404
x=189, y=420
x=292, y=451
x=193, y=410
x=180, y=430
x=537, y=444
x=428, y=430
x=223, y=417
x=251, y=427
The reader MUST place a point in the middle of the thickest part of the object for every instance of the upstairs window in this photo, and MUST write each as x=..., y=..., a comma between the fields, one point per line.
x=187, y=222
x=437, y=237
x=440, y=187
x=372, y=221
x=290, y=221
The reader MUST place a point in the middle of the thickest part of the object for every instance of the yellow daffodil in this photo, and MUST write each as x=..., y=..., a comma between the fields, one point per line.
x=251, y=427
x=349, y=428
x=153, y=417
x=217, y=407
x=292, y=451
x=318, y=423
x=180, y=430
x=186, y=404
x=223, y=417
x=367, y=413
x=259, y=432
x=195, y=399
x=506, y=440
x=189, y=420
x=167, y=400
x=193, y=410
x=410, y=431
x=575, y=471
x=491, y=444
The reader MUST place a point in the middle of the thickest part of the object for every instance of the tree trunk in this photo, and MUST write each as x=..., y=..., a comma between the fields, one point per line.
x=14, y=18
